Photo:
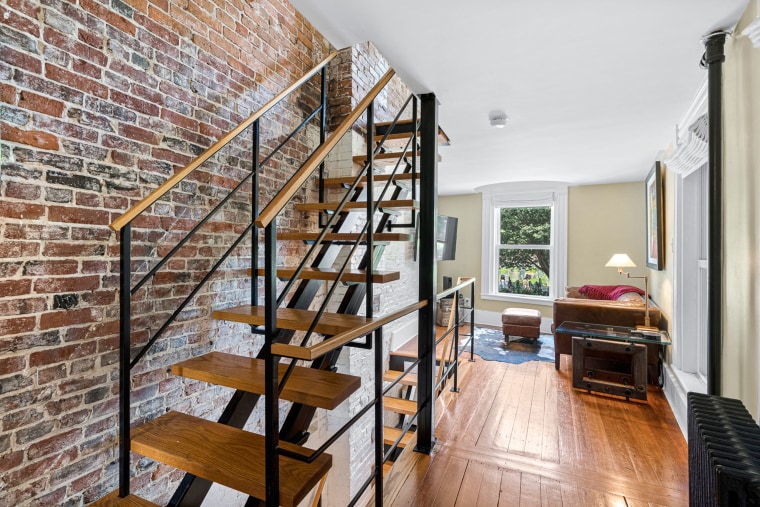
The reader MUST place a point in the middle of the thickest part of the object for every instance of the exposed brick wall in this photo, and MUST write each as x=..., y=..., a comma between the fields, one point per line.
x=99, y=103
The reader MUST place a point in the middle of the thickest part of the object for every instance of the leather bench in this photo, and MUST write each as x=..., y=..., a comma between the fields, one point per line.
x=525, y=322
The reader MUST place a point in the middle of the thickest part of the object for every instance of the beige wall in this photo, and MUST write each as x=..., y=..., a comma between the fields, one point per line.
x=741, y=100
x=593, y=236
x=604, y=220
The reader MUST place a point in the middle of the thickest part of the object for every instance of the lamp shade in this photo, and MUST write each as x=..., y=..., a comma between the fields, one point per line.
x=620, y=260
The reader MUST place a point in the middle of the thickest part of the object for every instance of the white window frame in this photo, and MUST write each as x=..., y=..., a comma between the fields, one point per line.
x=522, y=195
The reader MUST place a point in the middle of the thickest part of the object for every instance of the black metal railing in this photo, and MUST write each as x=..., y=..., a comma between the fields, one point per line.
x=124, y=226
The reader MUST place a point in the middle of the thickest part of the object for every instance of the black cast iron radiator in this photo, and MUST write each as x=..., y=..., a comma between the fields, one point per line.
x=724, y=453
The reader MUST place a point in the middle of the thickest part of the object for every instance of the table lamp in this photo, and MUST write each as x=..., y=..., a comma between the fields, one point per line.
x=621, y=261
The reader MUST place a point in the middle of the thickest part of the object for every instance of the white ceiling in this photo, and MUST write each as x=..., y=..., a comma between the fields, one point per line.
x=593, y=88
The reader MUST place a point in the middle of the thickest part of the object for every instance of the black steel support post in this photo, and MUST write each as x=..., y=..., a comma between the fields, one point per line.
x=125, y=298
x=427, y=270
x=379, y=441
x=713, y=61
x=255, y=215
x=271, y=403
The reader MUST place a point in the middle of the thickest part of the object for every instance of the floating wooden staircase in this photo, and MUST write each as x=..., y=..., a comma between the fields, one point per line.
x=224, y=454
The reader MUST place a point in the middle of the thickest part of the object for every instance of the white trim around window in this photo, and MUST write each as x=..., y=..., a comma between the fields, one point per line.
x=524, y=194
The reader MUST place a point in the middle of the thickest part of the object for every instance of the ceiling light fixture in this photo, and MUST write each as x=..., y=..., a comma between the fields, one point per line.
x=498, y=119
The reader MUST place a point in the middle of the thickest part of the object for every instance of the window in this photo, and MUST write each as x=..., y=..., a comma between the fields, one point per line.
x=524, y=250
x=524, y=242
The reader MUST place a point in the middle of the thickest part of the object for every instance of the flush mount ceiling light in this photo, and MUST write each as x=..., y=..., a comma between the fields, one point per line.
x=498, y=119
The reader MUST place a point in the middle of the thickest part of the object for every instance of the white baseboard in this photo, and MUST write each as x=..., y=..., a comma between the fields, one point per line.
x=677, y=385
x=404, y=334
x=494, y=319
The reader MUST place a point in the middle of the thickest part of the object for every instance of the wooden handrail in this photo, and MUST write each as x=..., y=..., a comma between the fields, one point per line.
x=157, y=193
x=287, y=192
x=322, y=348
x=467, y=281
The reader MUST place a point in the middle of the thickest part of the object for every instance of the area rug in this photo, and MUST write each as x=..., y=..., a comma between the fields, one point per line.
x=490, y=345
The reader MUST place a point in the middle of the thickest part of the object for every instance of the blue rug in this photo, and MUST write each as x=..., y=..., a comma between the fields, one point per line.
x=490, y=345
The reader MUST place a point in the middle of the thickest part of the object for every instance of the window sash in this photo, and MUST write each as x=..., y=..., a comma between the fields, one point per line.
x=523, y=195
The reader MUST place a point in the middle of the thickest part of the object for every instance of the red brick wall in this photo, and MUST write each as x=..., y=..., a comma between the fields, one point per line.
x=99, y=103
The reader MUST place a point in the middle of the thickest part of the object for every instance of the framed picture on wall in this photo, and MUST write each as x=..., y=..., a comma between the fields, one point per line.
x=655, y=253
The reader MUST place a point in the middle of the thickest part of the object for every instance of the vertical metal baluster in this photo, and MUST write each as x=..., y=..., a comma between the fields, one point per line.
x=125, y=299
x=271, y=403
x=379, y=441
x=370, y=293
x=455, y=389
x=414, y=150
x=254, y=216
x=322, y=137
x=472, y=322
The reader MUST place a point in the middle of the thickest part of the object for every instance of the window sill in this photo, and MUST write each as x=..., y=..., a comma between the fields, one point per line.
x=528, y=300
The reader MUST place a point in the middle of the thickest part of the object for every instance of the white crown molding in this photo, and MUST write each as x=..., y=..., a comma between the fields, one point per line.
x=697, y=108
x=692, y=149
x=753, y=32
x=691, y=136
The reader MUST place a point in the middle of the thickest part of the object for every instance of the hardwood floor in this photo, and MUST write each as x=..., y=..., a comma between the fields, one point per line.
x=521, y=435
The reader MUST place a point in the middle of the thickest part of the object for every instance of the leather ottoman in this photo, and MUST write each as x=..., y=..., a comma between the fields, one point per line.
x=524, y=322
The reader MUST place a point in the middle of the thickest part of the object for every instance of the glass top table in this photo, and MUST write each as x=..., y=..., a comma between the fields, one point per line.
x=617, y=333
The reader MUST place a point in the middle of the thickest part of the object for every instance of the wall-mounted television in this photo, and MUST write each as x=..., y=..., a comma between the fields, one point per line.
x=446, y=238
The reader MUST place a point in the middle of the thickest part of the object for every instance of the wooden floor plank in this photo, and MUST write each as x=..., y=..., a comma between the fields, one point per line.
x=509, y=494
x=449, y=490
x=471, y=484
x=434, y=479
x=550, y=438
x=530, y=489
x=588, y=449
x=490, y=484
x=551, y=493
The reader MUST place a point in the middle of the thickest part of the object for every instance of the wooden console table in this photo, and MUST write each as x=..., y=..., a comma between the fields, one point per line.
x=614, y=359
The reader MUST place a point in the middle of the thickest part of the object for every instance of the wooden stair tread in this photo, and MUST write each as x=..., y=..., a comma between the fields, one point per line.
x=343, y=236
x=354, y=275
x=390, y=435
x=347, y=180
x=309, y=386
x=112, y=500
x=410, y=379
x=227, y=455
x=403, y=129
x=387, y=467
x=388, y=159
x=400, y=406
x=357, y=205
x=293, y=319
